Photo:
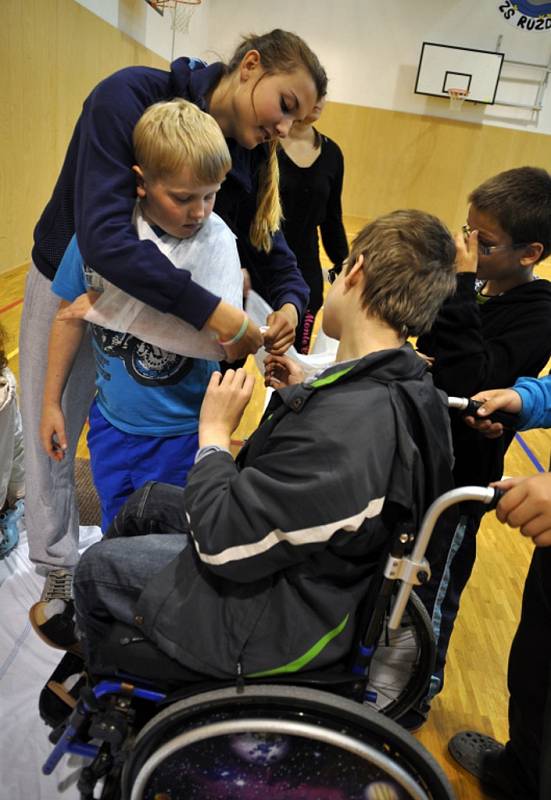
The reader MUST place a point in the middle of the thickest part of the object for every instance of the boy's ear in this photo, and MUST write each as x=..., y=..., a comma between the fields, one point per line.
x=532, y=254
x=355, y=273
x=140, y=181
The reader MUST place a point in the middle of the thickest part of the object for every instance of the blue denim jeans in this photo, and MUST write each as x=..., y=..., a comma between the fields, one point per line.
x=147, y=534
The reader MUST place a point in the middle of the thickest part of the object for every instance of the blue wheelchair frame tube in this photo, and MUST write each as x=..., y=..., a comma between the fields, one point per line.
x=68, y=743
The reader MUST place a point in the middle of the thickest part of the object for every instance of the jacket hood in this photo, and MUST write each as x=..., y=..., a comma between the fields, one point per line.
x=386, y=366
x=195, y=79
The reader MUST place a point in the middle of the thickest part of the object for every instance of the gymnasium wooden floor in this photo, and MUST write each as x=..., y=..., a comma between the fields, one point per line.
x=475, y=695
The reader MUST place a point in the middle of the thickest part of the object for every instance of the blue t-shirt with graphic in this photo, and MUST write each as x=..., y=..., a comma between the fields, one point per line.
x=141, y=389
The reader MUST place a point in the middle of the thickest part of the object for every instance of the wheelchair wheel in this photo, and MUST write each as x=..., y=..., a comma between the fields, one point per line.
x=284, y=742
x=403, y=662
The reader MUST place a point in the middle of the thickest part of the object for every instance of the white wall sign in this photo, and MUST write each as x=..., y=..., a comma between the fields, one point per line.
x=529, y=16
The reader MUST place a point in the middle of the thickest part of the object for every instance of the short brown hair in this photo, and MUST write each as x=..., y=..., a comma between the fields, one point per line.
x=520, y=201
x=408, y=268
x=173, y=134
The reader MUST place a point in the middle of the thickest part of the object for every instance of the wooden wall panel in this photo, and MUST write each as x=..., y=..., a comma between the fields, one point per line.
x=397, y=160
x=52, y=53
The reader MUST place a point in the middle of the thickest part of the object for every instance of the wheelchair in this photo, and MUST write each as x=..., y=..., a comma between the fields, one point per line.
x=151, y=733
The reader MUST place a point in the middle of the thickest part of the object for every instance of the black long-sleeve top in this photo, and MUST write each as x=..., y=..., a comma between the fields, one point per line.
x=311, y=198
x=487, y=345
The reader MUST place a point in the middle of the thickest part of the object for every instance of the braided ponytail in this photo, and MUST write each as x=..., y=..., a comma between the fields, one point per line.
x=268, y=215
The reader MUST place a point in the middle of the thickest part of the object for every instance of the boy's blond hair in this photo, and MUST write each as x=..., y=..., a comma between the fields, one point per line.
x=408, y=268
x=175, y=134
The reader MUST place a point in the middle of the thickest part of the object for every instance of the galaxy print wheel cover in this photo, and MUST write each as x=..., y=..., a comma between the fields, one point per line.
x=261, y=765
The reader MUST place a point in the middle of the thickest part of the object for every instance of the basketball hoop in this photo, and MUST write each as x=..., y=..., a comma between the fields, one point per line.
x=457, y=97
x=173, y=3
x=182, y=12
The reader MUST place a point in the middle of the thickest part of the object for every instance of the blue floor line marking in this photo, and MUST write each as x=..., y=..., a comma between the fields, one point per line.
x=529, y=453
x=8, y=661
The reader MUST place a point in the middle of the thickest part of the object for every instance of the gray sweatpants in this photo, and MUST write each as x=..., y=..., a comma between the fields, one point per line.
x=50, y=505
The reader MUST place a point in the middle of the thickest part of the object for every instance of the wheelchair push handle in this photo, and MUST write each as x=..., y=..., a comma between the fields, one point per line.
x=487, y=495
x=469, y=407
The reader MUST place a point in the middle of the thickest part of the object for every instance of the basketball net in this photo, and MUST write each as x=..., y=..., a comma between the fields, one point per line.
x=182, y=12
x=457, y=97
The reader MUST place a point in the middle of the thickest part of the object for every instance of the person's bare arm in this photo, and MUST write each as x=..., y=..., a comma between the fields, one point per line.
x=65, y=339
x=168, y=331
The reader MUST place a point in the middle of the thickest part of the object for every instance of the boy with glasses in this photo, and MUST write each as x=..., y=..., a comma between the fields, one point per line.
x=495, y=328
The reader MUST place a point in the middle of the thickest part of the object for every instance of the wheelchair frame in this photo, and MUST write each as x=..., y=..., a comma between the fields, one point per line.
x=112, y=722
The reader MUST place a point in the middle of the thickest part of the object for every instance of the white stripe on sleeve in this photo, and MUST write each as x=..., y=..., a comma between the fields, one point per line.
x=319, y=533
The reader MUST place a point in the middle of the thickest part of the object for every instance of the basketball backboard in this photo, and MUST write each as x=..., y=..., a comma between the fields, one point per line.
x=443, y=67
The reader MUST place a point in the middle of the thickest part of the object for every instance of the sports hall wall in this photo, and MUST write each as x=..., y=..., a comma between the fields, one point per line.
x=52, y=53
x=401, y=149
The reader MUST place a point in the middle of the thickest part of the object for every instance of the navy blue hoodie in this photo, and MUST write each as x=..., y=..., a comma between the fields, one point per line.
x=96, y=191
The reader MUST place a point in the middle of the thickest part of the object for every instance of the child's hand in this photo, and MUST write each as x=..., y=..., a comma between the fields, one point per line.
x=79, y=307
x=466, y=259
x=52, y=432
x=429, y=360
x=223, y=404
x=494, y=400
x=281, y=371
x=281, y=329
x=527, y=505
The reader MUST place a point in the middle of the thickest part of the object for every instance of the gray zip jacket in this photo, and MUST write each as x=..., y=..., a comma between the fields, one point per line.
x=286, y=539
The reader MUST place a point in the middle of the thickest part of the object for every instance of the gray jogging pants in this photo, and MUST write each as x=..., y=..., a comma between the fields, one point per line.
x=50, y=505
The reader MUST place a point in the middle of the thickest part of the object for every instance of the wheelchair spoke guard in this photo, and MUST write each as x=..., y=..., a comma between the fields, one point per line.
x=279, y=742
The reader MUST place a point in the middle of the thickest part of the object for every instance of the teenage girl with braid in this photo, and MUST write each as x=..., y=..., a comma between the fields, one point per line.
x=271, y=80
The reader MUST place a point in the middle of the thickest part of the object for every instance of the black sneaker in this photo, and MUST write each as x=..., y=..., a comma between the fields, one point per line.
x=53, y=617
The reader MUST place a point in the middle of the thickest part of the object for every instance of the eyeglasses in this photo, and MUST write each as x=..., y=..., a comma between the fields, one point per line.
x=488, y=249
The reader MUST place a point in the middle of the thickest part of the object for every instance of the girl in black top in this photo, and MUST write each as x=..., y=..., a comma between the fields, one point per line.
x=311, y=174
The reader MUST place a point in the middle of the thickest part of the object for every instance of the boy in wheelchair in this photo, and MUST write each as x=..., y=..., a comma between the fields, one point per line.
x=258, y=566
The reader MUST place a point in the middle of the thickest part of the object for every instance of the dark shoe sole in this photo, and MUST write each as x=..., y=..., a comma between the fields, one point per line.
x=71, y=647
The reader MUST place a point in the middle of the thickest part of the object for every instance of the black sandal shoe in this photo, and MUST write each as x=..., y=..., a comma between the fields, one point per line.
x=470, y=749
x=481, y=755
